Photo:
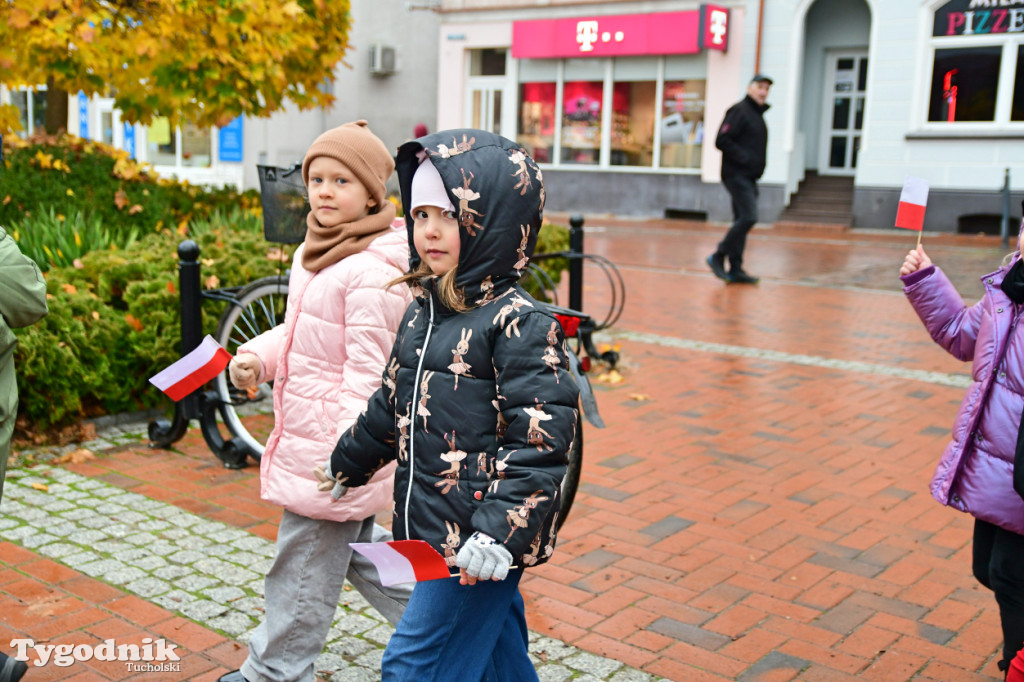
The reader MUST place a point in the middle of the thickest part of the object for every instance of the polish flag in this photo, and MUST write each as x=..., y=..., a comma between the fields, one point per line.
x=192, y=371
x=404, y=561
x=913, y=198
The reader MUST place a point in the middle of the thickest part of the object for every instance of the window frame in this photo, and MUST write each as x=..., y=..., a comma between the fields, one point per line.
x=1001, y=123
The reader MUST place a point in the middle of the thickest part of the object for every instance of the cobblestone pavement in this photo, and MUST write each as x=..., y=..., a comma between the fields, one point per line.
x=757, y=508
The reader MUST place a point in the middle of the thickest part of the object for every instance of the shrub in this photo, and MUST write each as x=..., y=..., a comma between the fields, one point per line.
x=54, y=240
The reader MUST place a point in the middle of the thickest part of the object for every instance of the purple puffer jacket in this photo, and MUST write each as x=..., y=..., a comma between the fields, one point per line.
x=975, y=474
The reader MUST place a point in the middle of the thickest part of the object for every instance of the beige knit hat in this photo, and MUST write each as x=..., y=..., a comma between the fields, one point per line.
x=360, y=150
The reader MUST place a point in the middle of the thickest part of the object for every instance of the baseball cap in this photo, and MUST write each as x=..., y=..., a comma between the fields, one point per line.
x=761, y=78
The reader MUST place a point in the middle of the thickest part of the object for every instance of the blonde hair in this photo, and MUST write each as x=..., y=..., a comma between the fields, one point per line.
x=449, y=294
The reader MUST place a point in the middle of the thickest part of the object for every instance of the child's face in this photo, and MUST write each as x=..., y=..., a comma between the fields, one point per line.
x=335, y=194
x=436, y=237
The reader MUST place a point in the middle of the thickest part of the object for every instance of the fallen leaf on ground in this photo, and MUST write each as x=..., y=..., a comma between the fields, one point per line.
x=76, y=456
x=639, y=396
x=41, y=486
x=610, y=377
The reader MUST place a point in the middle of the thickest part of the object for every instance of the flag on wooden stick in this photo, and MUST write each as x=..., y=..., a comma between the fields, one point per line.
x=186, y=375
x=913, y=198
x=404, y=561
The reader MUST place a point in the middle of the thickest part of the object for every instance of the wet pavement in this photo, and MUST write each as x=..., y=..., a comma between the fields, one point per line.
x=756, y=509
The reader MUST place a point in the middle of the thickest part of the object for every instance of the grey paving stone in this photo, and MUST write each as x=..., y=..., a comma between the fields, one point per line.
x=589, y=663
x=59, y=549
x=174, y=600
x=148, y=587
x=194, y=583
x=344, y=645
x=37, y=539
x=232, y=623
x=123, y=575
x=553, y=673
x=171, y=572
x=204, y=610
x=224, y=594
x=354, y=673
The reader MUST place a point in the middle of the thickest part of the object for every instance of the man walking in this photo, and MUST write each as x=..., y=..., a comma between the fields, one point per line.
x=743, y=139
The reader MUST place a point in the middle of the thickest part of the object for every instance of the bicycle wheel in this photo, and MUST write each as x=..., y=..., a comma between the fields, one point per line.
x=259, y=308
x=572, y=477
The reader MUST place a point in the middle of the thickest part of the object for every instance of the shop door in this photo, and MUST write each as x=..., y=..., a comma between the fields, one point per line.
x=846, y=78
x=483, y=104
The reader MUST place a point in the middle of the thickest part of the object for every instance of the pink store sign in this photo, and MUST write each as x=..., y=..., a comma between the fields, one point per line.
x=622, y=35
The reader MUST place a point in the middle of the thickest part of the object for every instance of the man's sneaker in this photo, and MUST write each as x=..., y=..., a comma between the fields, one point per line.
x=740, y=277
x=717, y=265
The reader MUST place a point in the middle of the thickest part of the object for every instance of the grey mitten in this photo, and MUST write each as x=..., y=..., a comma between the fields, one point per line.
x=325, y=481
x=484, y=558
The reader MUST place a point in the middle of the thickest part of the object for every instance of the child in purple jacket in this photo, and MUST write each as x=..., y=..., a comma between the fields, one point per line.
x=975, y=474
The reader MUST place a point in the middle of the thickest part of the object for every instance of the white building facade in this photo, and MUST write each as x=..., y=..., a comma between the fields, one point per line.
x=623, y=119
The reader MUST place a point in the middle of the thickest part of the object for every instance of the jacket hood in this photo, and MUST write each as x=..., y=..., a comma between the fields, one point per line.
x=498, y=192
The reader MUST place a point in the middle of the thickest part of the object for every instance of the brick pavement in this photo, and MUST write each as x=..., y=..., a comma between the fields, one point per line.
x=757, y=508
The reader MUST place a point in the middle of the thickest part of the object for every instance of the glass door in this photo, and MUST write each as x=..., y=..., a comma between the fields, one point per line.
x=846, y=78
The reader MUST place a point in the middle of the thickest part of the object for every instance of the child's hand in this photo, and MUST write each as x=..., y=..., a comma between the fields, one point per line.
x=482, y=558
x=325, y=482
x=244, y=369
x=915, y=260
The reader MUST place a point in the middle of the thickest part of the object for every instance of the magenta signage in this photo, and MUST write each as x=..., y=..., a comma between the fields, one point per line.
x=622, y=35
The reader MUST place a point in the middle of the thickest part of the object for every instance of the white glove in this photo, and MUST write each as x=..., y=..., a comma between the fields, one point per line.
x=484, y=558
x=325, y=481
x=244, y=370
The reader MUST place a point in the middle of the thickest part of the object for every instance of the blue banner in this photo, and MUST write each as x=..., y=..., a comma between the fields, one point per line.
x=230, y=146
x=83, y=115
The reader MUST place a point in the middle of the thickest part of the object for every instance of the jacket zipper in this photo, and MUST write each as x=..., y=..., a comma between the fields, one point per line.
x=412, y=416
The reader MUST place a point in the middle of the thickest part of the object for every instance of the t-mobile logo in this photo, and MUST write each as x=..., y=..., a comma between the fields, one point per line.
x=586, y=35
x=718, y=24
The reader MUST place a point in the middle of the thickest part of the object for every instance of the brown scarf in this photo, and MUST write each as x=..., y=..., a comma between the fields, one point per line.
x=328, y=245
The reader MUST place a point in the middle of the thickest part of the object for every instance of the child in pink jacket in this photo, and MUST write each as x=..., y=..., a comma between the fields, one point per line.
x=326, y=360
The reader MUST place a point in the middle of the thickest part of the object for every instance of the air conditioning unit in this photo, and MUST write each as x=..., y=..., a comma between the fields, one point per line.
x=382, y=60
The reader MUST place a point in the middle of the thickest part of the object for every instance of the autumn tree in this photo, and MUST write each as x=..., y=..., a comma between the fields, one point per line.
x=201, y=61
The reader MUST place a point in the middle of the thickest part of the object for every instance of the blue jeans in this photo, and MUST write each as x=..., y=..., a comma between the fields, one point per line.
x=465, y=632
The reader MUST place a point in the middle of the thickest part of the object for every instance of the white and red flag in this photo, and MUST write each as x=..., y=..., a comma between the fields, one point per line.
x=404, y=561
x=186, y=375
x=913, y=199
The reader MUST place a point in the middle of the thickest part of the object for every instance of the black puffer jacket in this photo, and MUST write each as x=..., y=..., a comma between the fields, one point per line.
x=478, y=407
x=743, y=139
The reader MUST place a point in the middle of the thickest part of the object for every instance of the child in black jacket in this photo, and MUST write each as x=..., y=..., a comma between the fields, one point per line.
x=478, y=407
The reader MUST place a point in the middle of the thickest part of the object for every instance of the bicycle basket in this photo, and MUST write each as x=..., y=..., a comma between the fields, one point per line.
x=284, y=204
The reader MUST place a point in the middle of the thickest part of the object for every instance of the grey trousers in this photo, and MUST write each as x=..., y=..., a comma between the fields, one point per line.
x=302, y=590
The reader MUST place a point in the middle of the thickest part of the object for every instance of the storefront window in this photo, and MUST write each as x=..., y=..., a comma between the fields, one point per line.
x=682, y=123
x=964, y=84
x=633, y=110
x=537, y=120
x=1017, y=113
x=581, y=121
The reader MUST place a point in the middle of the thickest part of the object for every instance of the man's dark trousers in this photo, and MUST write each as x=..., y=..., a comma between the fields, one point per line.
x=743, y=191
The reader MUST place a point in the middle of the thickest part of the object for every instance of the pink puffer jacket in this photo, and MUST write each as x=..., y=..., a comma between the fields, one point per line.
x=327, y=360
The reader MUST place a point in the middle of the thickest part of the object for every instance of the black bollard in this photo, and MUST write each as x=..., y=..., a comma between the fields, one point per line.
x=191, y=309
x=1004, y=227
x=576, y=262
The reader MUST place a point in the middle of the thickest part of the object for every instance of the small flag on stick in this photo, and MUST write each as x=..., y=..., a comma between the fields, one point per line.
x=404, y=561
x=192, y=371
x=913, y=199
